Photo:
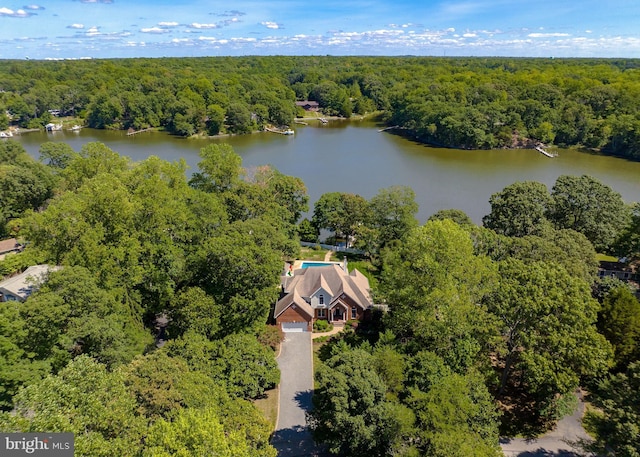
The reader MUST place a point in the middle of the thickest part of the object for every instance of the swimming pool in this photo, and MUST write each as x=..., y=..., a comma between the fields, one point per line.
x=308, y=264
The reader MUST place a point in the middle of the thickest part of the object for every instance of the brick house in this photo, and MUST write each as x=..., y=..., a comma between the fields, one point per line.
x=327, y=292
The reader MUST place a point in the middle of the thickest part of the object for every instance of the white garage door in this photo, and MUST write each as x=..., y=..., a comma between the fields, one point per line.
x=294, y=326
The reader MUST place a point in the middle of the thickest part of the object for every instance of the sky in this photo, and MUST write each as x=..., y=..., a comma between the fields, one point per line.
x=75, y=29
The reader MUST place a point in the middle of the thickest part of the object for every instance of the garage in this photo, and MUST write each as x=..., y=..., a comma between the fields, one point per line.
x=294, y=326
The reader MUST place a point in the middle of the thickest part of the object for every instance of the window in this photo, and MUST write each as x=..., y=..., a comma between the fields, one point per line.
x=321, y=298
x=353, y=312
x=321, y=313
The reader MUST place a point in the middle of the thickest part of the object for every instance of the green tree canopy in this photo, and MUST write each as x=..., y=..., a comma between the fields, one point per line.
x=619, y=322
x=547, y=320
x=432, y=282
x=619, y=428
x=350, y=395
x=587, y=206
x=519, y=209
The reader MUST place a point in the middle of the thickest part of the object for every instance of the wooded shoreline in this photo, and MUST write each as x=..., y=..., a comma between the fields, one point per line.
x=468, y=103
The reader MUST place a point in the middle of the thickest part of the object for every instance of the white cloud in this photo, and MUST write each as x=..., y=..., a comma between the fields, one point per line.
x=197, y=25
x=93, y=31
x=271, y=25
x=76, y=26
x=547, y=35
x=33, y=7
x=469, y=35
x=11, y=13
x=168, y=24
x=157, y=30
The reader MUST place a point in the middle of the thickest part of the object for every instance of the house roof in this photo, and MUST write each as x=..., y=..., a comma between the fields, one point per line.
x=618, y=266
x=305, y=282
x=307, y=102
x=25, y=283
x=8, y=245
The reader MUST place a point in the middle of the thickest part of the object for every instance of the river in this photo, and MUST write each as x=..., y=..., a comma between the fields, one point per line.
x=352, y=156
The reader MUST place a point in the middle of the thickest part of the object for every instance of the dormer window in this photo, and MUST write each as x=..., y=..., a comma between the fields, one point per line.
x=321, y=299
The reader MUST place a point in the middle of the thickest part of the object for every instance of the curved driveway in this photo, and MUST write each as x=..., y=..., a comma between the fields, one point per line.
x=292, y=438
x=555, y=443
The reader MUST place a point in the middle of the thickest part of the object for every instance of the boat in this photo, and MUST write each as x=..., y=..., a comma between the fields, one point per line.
x=323, y=120
x=53, y=127
x=6, y=134
x=76, y=128
x=288, y=132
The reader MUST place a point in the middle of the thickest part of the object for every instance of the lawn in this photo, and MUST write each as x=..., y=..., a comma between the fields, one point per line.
x=269, y=406
x=606, y=258
x=312, y=254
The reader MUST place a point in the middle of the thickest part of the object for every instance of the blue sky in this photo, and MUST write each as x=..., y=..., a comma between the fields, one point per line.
x=59, y=29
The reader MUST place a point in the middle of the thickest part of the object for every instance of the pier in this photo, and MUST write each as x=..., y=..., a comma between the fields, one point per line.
x=389, y=128
x=281, y=132
x=542, y=151
x=135, y=132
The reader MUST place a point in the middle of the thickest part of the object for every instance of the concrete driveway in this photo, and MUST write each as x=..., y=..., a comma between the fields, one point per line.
x=557, y=443
x=292, y=439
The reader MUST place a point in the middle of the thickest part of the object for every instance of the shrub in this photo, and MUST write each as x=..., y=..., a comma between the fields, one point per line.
x=322, y=326
x=270, y=336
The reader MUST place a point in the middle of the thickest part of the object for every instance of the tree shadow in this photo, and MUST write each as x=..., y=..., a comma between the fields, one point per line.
x=293, y=442
x=542, y=452
x=304, y=399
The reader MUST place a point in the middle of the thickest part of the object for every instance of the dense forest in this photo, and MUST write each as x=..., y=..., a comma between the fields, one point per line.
x=490, y=329
x=455, y=102
x=137, y=242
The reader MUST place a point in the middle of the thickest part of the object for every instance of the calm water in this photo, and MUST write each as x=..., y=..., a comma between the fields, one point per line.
x=355, y=157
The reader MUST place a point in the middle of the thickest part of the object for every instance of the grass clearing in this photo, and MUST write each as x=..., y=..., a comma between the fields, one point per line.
x=312, y=254
x=268, y=406
x=606, y=258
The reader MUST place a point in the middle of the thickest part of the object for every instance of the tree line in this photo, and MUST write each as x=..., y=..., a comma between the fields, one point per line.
x=490, y=329
x=454, y=102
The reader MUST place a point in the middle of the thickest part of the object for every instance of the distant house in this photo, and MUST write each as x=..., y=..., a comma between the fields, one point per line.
x=20, y=287
x=9, y=246
x=620, y=270
x=308, y=105
x=327, y=292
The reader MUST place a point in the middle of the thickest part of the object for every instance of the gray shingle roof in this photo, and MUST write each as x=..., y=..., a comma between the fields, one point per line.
x=333, y=279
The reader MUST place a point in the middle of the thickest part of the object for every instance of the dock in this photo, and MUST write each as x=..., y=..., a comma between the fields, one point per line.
x=389, y=128
x=299, y=122
x=281, y=132
x=542, y=151
x=135, y=132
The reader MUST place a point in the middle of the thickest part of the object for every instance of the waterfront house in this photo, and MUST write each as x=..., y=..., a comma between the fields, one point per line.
x=308, y=105
x=322, y=292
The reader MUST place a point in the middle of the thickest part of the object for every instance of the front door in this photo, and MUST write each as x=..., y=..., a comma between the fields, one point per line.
x=338, y=314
